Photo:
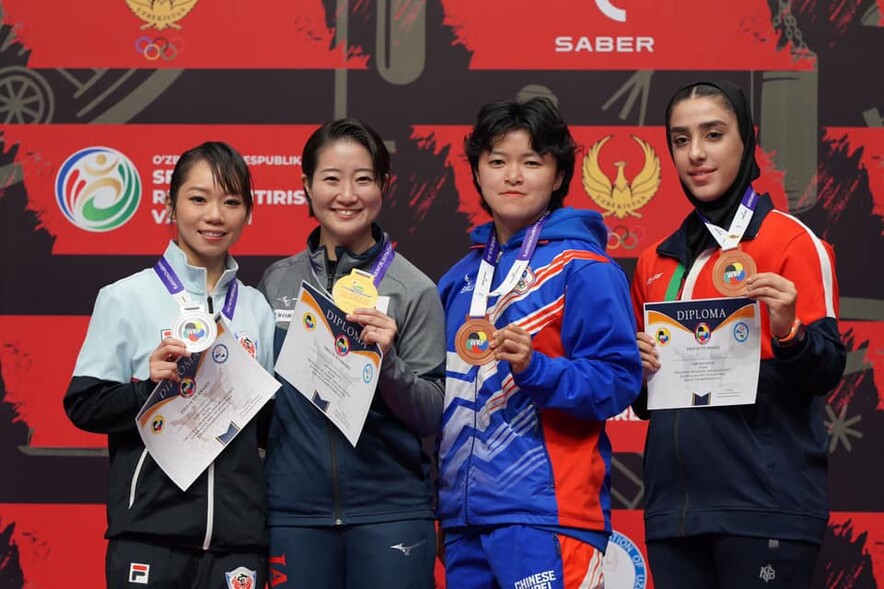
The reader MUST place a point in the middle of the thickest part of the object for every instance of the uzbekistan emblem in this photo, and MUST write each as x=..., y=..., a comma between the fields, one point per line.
x=621, y=198
x=161, y=14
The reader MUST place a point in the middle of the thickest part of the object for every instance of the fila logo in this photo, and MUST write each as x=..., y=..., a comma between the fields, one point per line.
x=139, y=573
x=653, y=278
x=611, y=11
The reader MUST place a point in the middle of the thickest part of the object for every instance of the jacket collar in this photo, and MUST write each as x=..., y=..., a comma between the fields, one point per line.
x=193, y=277
x=676, y=245
x=347, y=260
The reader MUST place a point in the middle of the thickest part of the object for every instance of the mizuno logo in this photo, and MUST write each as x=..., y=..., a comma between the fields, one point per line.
x=406, y=550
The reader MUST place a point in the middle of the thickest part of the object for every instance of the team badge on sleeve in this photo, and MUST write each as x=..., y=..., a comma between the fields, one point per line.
x=241, y=578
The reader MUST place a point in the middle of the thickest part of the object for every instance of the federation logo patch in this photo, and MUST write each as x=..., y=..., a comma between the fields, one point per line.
x=624, y=564
x=241, y=578
x=309, y=321
x=220, y=354
x=621, y=198
x=156, y=426
x=98, y=189
x=741, y=332
x=342, y=345
x=248, y=344
x=662, y=336
x=139, y=573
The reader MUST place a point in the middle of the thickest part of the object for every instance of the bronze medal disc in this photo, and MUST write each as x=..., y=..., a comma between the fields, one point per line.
x=473, y=341
x=731, y=271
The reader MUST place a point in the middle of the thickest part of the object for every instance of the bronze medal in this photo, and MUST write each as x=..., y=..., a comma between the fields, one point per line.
x=473, y=341
x=731, y=271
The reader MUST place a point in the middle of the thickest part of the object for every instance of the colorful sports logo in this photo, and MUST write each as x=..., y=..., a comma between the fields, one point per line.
x=241, y=578
x=247, y=344
x=195, y=330
x=342, y=345
x=309, y=321
x=741, y=332
x=477, y=342
x=702, y=334
x=186, y=387
x=156, y=426
x=662, y=336
x=98, y=189
x=734, y=273
x=525, y=281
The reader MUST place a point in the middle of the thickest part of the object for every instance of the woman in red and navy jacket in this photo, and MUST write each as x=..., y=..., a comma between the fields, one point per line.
x=736, y=496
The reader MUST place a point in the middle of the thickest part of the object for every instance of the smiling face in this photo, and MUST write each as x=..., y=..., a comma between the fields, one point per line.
x=209, y=220
x=706, y=146
x=346, y=196
x=516, y=182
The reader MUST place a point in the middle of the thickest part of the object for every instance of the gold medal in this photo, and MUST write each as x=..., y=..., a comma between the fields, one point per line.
x=356, y=290
x=473, y=341
x=731, y=271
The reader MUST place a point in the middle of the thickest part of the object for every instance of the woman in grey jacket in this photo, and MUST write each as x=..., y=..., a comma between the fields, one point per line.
x=344, y=517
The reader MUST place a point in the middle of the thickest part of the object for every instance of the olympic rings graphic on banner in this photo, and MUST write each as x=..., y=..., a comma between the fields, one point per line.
x=154, y=49
x=625, y=237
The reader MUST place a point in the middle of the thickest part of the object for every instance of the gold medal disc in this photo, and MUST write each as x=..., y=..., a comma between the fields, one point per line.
x=731, y=271
x=473, y=341
x=356, y=290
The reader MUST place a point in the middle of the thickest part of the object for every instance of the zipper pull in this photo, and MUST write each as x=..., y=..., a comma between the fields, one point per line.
x=210, y=305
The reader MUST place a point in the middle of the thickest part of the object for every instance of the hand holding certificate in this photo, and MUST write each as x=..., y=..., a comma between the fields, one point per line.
x=186, y=424
x=324, y=358
x=709, y=352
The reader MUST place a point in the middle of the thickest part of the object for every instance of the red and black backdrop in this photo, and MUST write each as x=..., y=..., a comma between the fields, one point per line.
x=135, y=82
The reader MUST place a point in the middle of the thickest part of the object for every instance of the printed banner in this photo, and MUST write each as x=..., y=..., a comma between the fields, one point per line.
x=102, y=189
x=621, y=35
x=178, y=34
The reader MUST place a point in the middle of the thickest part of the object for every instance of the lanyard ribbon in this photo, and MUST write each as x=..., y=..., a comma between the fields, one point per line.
x=479, y=302
x=173, y=284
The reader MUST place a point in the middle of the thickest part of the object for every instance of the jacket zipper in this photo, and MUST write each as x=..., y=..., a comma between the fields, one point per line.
x=211, y=306
x=210, y=509
x=681, y=476
x=336, y=488
x=137, y=472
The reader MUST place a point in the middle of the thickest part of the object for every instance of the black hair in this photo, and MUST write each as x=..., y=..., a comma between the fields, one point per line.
x=698, y=91
x=229, y=171
x=540, y=118
x=347, y=130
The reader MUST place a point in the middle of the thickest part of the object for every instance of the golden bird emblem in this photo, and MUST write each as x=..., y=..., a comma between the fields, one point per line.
x=621, y=198
x=161, y=14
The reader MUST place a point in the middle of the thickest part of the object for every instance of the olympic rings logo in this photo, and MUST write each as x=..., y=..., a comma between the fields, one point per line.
x=625, y=237
x=154, y=49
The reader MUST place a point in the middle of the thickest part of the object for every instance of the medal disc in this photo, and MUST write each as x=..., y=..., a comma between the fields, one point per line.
x=473, y=341
x=196, y=329
x=355, y=290
x=731, y=271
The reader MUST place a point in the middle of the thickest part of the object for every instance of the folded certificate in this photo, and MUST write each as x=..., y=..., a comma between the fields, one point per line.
x=710, y=352
x=185, y=425
x=324, y=359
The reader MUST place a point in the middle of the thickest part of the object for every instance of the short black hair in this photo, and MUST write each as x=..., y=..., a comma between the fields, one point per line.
x=229, y=171
x=540, y=118
x=348, y=130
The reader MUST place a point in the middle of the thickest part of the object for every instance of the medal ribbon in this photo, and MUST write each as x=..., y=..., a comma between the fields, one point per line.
x=479, y=302
x=378, y=270
x=173, y=284
x=730, y=239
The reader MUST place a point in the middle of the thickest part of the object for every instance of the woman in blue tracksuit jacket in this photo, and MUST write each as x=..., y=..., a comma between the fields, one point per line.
x=213, y=534
x=524, y=474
